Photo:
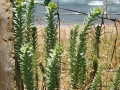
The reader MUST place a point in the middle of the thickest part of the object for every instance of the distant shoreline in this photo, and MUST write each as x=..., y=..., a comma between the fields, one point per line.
x=72, y=25
x=111, y=24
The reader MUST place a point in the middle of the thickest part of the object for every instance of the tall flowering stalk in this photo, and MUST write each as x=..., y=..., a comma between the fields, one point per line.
x=80, y=55
x=50, y=29
x=82, y=46
x=53, y=52
x=25, y=37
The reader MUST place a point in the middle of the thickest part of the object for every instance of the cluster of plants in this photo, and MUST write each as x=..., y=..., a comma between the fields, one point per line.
x=25, y=44
x=26, y=55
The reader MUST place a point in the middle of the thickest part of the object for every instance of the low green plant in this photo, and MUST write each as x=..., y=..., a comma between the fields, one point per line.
x=53, y=69
x=34, y=38
x=26, y=64
x=116, y=83
x=73, y=62
x=97, y=40
x=95, y=64
x=95, y=53
x=97, y=79
x=35, y=56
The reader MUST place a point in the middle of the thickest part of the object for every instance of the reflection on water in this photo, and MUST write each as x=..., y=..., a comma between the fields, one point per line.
x=96, y=3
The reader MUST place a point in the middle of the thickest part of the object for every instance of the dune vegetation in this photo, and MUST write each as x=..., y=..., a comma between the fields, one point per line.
x=83, y=57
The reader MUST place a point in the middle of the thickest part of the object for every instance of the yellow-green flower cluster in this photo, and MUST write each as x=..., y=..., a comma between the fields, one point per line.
x=52, y=6
x=98, y=11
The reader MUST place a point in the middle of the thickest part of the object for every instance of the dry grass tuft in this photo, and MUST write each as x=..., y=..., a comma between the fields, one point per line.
x=107, y=44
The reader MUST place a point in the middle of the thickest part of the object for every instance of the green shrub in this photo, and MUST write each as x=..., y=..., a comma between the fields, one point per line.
x=19, y=26
x=81, y=51
x=25, y=38
x=50, y=29
x=26, y=64
x=97, y=79
x=116, y=83
x=73, y=62
x=79, y=60
x=95, y=53
x=53, y=69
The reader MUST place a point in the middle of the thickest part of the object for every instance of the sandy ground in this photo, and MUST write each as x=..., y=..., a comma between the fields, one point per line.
x=65, y=30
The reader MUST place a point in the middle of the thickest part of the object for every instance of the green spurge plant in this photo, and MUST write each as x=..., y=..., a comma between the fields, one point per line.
x=51, y=30
x=34, y=38
x=19, y=26
x=30, y=31
x=35, y=56
x=73, y=50
x=80, y=59
x=26, y=64
x=53, y=69
x=95, y=55
x=97, y=40
x=31, y=37
x=82, y=46
x=51, y=33
x=26, y=38
x=97, y=79
x=116, y=83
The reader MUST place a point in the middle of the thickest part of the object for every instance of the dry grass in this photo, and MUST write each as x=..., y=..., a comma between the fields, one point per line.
x=107, y=44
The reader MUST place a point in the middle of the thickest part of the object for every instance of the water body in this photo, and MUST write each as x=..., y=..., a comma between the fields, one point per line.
x=69, y=17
